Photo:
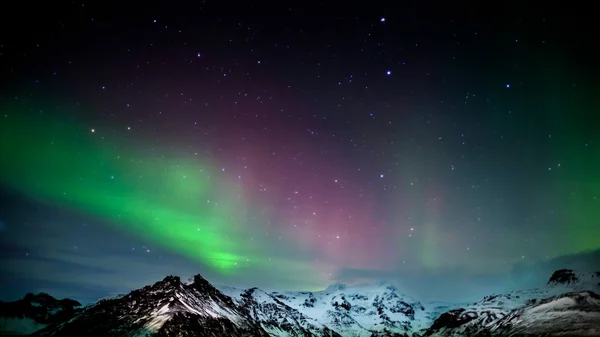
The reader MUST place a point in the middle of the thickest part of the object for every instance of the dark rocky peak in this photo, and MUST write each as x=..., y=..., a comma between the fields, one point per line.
x=205, y=290
x=563, y=277
x=166, y=308
x=42, y=309
x=45, y=300
x=171, y=280
x=168, y=285
x=41, y=298
x=201, y=284
x=248, y=292
x=448, y=320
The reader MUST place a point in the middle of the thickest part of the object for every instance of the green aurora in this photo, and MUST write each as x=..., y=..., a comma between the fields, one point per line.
x=167, y=199
x=183, y=202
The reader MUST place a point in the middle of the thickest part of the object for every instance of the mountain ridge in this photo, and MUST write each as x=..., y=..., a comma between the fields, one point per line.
x=171, y=307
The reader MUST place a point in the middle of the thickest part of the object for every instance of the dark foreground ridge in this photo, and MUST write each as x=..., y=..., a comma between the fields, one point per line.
x=35, y=311
x=568, y=305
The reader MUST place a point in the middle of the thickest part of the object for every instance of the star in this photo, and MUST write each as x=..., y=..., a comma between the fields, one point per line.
x=295, y=110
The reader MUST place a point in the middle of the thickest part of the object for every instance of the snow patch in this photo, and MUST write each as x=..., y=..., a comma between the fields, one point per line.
x=157, y=322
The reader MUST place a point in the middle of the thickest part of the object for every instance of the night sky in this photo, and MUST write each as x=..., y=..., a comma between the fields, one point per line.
x=296, y=146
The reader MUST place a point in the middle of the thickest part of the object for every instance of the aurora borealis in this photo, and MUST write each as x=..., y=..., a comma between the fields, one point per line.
x=141, y=193
x=278, y=152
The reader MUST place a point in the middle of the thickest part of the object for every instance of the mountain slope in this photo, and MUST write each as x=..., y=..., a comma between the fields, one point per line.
x=361, y=311
x=34, y=312
x=568, y=305
x=167, y=308
x=570, y=314
x=276, y=317
x=477, y=319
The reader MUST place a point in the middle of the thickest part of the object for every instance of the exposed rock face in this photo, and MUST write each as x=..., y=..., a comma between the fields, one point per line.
x=569, y=305
x=167, y=308
x=563, y=277
x=276, y=317
x=570, y=314
x=367, y=310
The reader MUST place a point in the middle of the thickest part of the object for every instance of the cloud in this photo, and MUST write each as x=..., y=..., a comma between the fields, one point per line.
x=459, y=284
x=454, y=284
x=106, y=274
x=90, y=275
x=532, y=274
x=103, y=265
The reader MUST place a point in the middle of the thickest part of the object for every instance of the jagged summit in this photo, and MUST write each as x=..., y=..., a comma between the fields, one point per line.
x=567, y=305
x=199, y=280
x=170, y=280
x=201, y=284
x=43, y=299
x=166, y=308
x=277, y=318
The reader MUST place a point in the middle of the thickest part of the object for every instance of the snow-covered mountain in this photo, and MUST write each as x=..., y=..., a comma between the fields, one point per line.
x=362, y=311
x=276, y=317
x=484, y=318
x=570, y=314
x=34, y=312
x=167, y=308
x=568, y=305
